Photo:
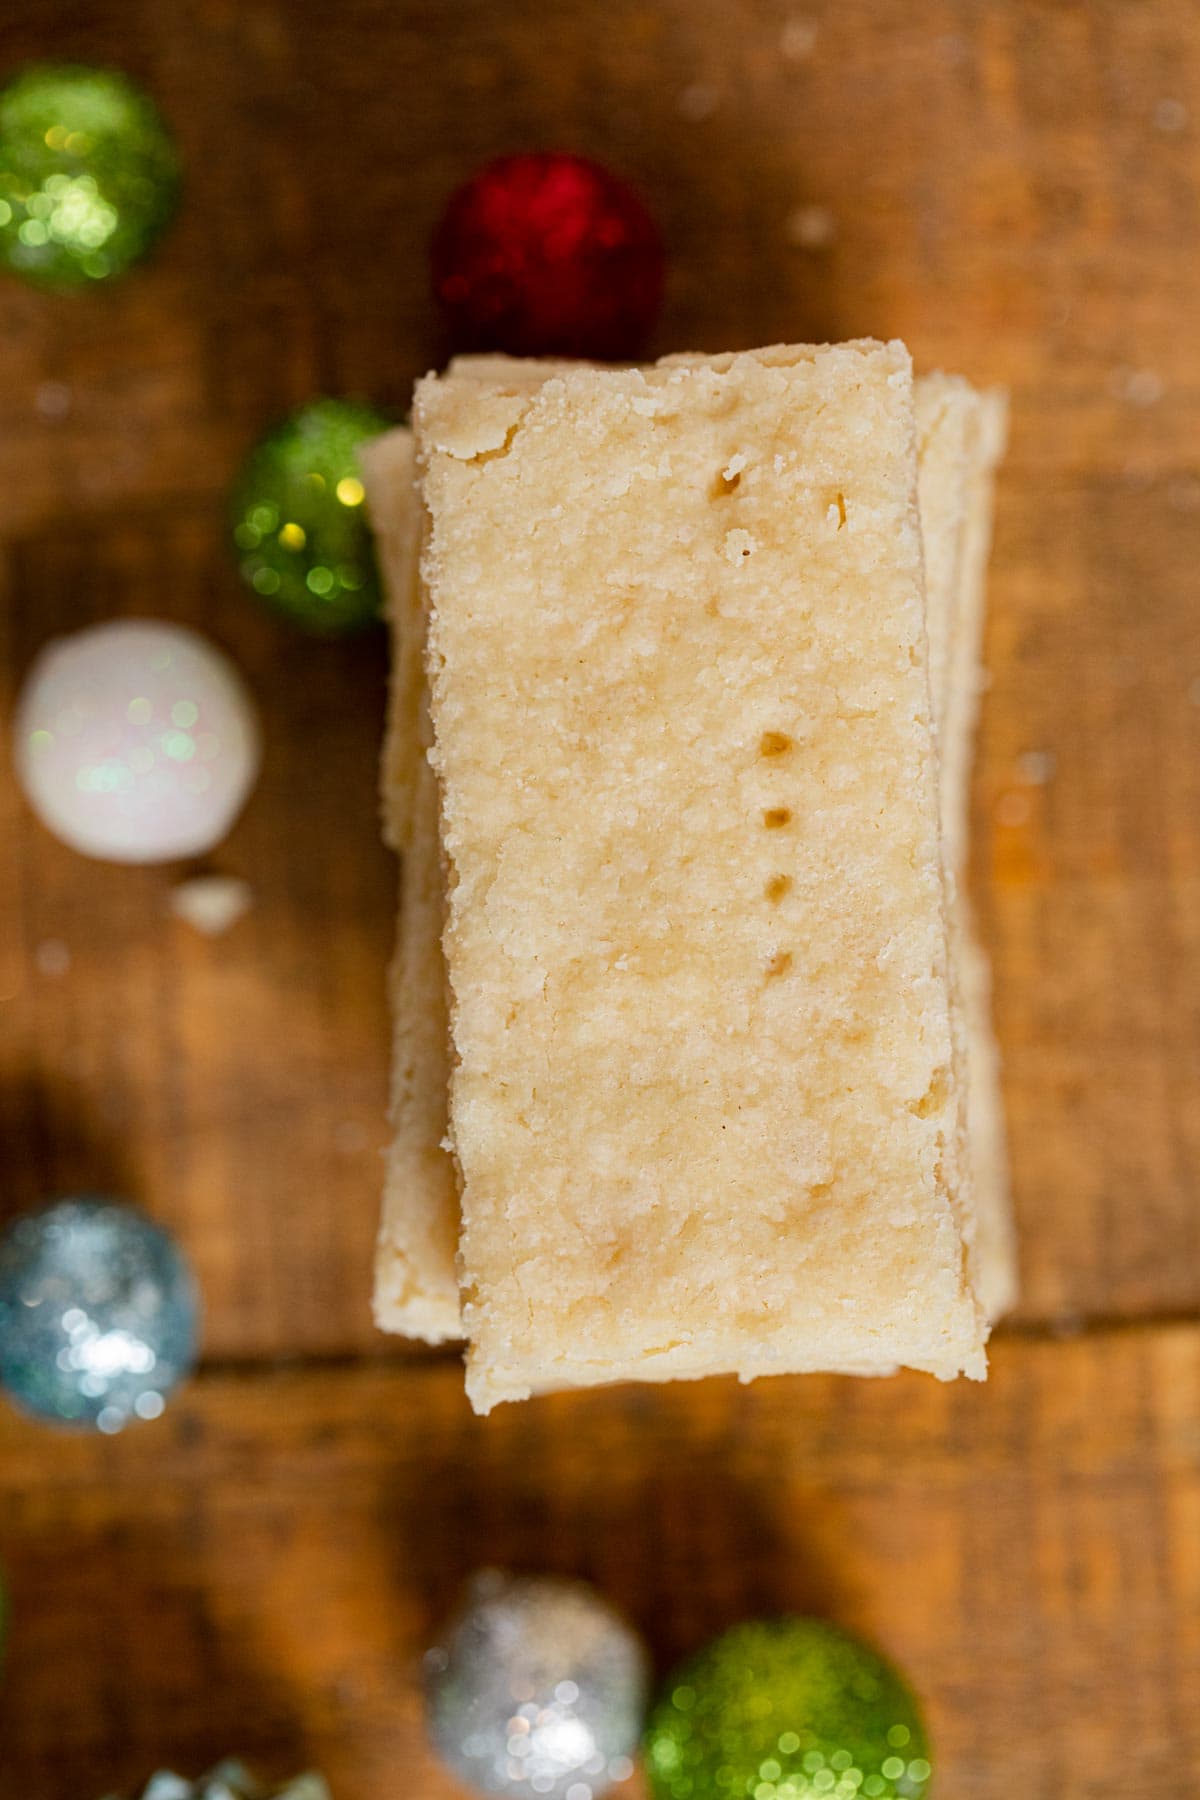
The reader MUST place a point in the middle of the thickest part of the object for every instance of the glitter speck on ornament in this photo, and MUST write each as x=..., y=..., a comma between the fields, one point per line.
x=89, y=176
x=548, y=255
x=298, y=520
x=98, y=1314
x=787, y=1709
x=102, y=755
x=538, y=1688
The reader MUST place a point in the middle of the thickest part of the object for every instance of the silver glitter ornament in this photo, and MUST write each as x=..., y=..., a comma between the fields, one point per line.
x=537, y=1688
x=231, y=1781
x=98, y=1313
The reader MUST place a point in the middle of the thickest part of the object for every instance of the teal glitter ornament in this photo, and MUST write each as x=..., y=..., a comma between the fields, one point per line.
x=299, y=521
x=98, y=1314
x=787, y=1709
x=89, y=175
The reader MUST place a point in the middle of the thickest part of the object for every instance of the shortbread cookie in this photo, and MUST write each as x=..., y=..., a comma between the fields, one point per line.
x=416, y=1291
x=960, y=437
x=705, y=1105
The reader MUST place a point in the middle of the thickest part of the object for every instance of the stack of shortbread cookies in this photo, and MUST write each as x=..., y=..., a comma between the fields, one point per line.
x=693, y=1064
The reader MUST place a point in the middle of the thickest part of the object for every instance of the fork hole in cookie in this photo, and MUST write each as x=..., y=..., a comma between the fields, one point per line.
x=774, y=743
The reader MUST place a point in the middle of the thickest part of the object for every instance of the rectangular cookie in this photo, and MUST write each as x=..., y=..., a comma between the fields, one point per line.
x=705, y=1106
x=960, y=439
x=416, y=1291
x=957, y=711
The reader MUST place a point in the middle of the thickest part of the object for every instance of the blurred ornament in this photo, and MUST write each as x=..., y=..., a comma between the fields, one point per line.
x=538, y=1688
x=89, y=175
x=787, y=1709
x=98, y=1313
x=299, y=523
x=232, y=1781
x=136, y=741
x=548, y=255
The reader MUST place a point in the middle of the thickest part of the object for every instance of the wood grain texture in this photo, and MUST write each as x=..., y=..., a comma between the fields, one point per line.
x=285, y=1546
x=1015, y=189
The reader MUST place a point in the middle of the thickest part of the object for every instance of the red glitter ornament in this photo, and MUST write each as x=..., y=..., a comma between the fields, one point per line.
x=548, y=255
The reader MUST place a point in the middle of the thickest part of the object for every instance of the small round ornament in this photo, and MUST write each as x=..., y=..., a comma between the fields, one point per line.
x=298, y=519
x=136, y=741
x=99, y=1313
x=537, y=1689
x=232, y=1780
x=548, y=255
x=89, y=175
x=787, y=1709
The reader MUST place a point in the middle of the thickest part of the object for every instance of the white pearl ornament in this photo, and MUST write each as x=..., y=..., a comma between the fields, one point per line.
x=136, y=741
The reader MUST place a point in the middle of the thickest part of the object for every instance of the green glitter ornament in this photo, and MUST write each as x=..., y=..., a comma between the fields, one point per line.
x=89, y=175
x=299, y=523
x=787, y=1709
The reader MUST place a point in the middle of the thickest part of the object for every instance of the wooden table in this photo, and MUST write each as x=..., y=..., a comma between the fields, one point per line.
x=1014, y=189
